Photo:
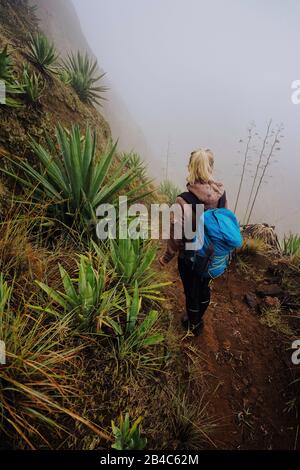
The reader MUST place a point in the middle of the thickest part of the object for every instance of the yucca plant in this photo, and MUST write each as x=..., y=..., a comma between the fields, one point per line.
x=135, y=162
x=72, y=179
x=137, y=337
x=32, y=84
x=127, y=435
x=291, y=245
x=42, y=53
x=12, y=87
x=132, y=260
x=81, y=72
x=64, y=76
x=37, y=390
x=169, y=190
x=5, y=294
x=85, y=298
x=6, y=67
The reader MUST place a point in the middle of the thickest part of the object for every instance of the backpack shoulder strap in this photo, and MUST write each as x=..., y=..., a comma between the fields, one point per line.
x=190, y=198
x=222, y=201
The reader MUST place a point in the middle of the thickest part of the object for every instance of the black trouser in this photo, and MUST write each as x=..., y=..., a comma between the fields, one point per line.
x=196, y=289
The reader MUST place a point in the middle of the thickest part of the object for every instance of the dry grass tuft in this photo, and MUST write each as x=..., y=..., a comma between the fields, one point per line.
x=263, y=232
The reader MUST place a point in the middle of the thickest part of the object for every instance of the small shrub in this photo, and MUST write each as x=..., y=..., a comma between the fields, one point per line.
x=135, y=162
x=80, y=70
x=273, y=318
x=6, y=68
x=263, y=232
x=85, y=298
x=132, y=259
x=32, y=85
x=291, y=245
x=12, y=87
x=169, y=190
x=42, y=53
x=128, y=435
x=64, y=76
x=136, y=337
x=191, y=425
x=252, y=246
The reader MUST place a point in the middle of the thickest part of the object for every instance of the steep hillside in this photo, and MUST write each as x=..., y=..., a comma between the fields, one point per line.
x=92, y=329
x=59, y=20
x=58, y=103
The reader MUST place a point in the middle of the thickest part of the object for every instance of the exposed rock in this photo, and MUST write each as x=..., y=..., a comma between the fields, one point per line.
x=270, y=290
x=251, y=299
x=273, y=280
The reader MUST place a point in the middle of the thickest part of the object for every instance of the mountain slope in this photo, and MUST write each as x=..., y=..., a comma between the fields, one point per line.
x=59, y=20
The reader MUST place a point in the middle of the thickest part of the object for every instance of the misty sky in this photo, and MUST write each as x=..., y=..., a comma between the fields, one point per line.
x=197, y=73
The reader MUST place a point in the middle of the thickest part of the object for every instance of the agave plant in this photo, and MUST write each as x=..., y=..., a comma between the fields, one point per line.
x=12, y=87
x=132, y=259
x=291, y=245
x=42, y=53
x=81, y=70
x=64, y=76
x=137, y=336
x=37, y=382
x=72, y=178
x=169, y=190
x=135, y=162
x=85, y=297
x=32, y=84
x=6, y=68
x=128, y=435
x=5, y=294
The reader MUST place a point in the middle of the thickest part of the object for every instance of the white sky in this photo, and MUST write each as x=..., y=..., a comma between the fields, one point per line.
x=197, y=73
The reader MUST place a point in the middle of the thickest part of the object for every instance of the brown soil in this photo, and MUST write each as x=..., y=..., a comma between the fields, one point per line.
x=246, y=366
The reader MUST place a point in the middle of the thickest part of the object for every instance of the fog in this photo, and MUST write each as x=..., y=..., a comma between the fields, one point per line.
x=195, y=73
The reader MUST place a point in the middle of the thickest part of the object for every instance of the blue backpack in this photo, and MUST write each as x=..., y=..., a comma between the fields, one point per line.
x=222, y=235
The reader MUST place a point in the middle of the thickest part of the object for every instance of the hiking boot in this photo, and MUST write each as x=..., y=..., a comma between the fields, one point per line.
x=195, y=322
x=185, y=322
x=197, y=329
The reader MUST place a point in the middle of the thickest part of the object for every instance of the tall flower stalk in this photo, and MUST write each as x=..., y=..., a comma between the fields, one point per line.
x=246, y=155
x=258, y=166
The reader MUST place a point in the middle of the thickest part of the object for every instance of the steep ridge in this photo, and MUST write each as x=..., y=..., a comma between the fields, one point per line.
x=59, y=20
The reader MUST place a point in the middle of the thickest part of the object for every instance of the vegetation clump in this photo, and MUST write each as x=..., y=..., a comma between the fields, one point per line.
x=79, y=71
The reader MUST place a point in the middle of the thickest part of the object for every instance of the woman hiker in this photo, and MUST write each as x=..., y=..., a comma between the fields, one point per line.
x=202, y=189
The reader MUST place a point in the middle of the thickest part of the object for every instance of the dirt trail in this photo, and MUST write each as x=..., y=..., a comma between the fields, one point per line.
x=247, y=368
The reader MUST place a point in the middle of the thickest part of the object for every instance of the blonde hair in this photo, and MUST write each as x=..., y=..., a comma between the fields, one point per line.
x=200, y=166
